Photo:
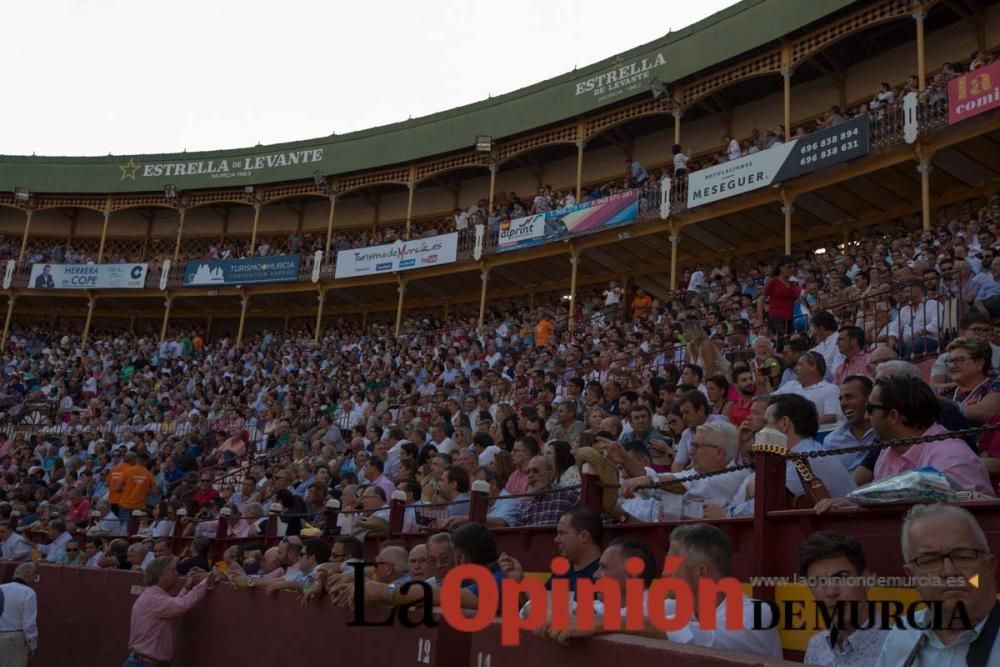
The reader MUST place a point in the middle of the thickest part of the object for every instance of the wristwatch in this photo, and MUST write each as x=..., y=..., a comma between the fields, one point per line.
x=390, y=593
x=252, y=583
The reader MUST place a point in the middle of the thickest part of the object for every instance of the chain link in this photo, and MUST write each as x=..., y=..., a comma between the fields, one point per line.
x=780, y=451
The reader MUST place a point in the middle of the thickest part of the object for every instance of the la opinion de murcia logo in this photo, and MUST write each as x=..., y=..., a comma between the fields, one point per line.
x=222, y=167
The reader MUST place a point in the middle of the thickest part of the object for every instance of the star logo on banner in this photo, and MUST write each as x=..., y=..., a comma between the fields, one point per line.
x=128, y=170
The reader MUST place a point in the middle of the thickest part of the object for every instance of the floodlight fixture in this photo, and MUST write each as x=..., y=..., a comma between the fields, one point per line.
x=484, y=143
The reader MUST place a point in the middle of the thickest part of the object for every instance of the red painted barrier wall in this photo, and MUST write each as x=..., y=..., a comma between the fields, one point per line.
x=486, y=651
x=84, y=615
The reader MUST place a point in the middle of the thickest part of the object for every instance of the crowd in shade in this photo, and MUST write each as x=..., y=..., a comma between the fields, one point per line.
x=148, y=441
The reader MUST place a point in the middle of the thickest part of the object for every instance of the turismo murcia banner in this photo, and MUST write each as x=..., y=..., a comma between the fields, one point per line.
x=222, y=168
x=399, y=256
x=819, y=150
x=246, y=271
x=593, y=216
x=87, y=276
x=974, y=93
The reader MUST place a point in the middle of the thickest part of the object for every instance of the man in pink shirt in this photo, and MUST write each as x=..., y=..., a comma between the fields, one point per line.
x=851, y=343
x=906, y=407
x=151, y=639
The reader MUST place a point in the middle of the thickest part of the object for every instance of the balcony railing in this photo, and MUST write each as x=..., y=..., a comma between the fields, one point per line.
x=887, y=130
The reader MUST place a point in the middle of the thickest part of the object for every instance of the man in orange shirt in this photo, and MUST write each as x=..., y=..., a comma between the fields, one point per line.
x=116, y=481
x=138, y=483
x=641, y=304
x=543, y=331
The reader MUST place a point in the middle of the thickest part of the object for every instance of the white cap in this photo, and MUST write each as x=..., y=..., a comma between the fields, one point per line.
x=399, y=494
x=276, y=508
x=182, y=512
x=480, y=486
x=225, y=511
x=771, y=436
x=333, y=504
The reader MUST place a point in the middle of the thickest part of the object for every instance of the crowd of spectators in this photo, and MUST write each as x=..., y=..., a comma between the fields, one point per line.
x=795, y=345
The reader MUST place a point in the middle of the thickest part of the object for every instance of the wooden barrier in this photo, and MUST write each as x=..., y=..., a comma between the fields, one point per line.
x=84, y=615
x=487, y=651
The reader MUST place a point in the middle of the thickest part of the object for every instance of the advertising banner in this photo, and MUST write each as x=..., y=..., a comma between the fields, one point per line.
x=399, y=256
x=819, y=150
x=87, y=276
x=249, y=271
x=974, y=93
x=586, y=218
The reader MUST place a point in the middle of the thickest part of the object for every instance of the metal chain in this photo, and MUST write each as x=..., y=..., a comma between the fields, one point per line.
x=901, y=442
x=826, y=452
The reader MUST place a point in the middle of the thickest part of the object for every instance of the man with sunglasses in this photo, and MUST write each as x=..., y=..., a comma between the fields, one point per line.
x=905, y=407
x=945, y=549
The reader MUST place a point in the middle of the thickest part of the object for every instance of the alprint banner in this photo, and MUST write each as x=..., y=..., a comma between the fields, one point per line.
x=586, y=218
x=399, y=256
x=87, y=276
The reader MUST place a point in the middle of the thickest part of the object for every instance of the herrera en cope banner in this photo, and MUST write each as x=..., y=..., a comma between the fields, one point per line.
x=974, y=93
x=399, y=256
x=819, y=150
x=586, y=218
x=87, y=276
x=249, y=271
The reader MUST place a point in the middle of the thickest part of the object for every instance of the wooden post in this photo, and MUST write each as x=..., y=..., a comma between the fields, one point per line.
x=329, y=228
x=574, y=258
x=484, y=275
x=321, y=298
x=180, y=232
x=786, y=210
x=674, y=240
x=253, y=230
x=24, y=239
x=677, y=113
x=243, y=316
x=11, y=299
x=166, y=318
x=411, y=186
x=493, y=188
x=924, y=167
x=786, y=74
x=86, y=327
x=399, y=305
x=104, y=230
x=579, y=169
x=919, y=14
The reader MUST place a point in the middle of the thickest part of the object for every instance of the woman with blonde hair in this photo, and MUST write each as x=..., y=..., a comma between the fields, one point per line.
x=700, y=349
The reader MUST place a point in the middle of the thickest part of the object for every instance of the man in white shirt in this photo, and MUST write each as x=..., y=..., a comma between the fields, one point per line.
x=18, y=618
x=918, y=327
x=732, y=147
x=946, y=542
x=56, y=549
x=12, y=546
x=810, y=370
x=825, y=333
x=713, y=448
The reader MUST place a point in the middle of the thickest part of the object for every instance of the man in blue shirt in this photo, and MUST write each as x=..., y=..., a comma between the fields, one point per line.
x=857, y=430
x=637, y=173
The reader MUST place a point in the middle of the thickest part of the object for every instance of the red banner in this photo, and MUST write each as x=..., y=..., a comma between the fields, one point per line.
x=974, y=93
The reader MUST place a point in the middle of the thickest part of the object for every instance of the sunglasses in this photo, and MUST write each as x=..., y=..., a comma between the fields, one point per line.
x=871, y=407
